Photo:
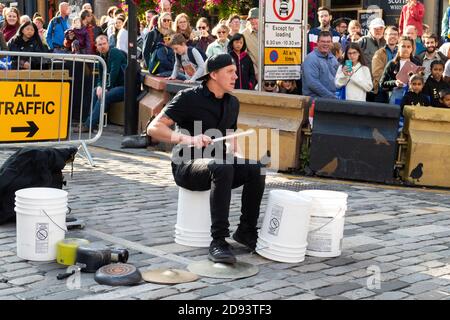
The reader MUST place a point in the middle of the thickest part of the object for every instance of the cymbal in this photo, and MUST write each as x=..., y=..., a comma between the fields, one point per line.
x=169, y=276
x=210, y=269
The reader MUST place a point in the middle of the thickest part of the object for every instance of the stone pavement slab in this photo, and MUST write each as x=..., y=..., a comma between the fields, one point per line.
x=398, y=237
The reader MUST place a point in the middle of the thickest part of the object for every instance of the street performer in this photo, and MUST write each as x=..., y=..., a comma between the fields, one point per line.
x=200, y=113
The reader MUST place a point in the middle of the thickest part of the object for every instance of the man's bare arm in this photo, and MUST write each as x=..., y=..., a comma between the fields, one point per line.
x=160, y=129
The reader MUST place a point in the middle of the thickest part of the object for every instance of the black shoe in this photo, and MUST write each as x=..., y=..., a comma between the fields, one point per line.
x=220, y=251
x=246, y=237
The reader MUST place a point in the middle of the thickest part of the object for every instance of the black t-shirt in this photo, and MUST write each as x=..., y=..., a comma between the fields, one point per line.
x=198, y=111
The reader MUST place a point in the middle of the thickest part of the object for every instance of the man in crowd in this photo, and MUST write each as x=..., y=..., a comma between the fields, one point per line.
x=373, y=41
x=115, y=61
x=199, y=112
x=411, y=31
x=380, y=60
x=165, y=6
x=319, y=69
x=251, y=36
x=341, y=26
x=56, y=28
x=431, y=54
x=325, y=17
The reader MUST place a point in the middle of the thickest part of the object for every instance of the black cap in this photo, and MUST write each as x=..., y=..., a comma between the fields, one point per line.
x=216, y=62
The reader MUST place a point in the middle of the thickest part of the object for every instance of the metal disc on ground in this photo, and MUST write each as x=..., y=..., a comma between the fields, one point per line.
x=118, y=274
x=169, y=276
x=211, y=269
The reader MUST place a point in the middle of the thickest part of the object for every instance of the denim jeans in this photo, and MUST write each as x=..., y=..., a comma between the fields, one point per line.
x=116, y=94
x=205, y=174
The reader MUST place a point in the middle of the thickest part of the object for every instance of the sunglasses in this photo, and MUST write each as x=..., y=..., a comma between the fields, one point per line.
x=220, y=32
x=167, y=20
x=202, y=28
x=270, y=84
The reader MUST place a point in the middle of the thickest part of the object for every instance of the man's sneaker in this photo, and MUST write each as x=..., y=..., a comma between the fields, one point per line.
x=220, y=251
x=246, y=237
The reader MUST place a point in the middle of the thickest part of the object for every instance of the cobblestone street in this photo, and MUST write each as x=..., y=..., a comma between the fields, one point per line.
x=130, y=200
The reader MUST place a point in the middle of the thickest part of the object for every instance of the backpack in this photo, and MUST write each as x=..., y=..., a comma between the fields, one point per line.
x=56, y=20
x=191, y=56
x=31, y=167
x=153, y=63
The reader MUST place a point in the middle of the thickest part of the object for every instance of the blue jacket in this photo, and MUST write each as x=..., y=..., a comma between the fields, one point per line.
x=318, y=75
x=55, y=31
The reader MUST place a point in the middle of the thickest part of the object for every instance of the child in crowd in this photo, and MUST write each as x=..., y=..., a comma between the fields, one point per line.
x=444, y=96
x=188, y=59
x=162, y=59
x=415, y=97
x=76, y=39
x=288, y=86
x=336, y=50
x=244, y=65
x=270, y=86
x=435, y=83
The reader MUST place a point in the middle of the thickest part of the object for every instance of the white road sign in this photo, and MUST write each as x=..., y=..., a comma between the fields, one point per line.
x=283, y=11
x=283, y=35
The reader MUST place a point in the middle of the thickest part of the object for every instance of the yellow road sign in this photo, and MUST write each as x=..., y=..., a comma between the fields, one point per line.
x=34, y=110
x=282, y=56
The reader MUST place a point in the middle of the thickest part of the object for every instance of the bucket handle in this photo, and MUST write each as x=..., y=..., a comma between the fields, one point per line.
x=63, y=229
x=332, y=220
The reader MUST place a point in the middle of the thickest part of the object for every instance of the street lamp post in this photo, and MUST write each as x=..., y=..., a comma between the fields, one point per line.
x=131, y=110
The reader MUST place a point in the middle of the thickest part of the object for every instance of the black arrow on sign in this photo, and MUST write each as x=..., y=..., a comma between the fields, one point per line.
x=31, y=129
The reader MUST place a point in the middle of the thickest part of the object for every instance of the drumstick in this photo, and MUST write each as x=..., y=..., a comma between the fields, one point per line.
x=231, y=136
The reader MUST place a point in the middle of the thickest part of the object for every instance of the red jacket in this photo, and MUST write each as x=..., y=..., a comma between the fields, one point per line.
x=412, y=16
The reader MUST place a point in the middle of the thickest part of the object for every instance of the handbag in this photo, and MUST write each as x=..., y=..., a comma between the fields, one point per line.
x=341, y=93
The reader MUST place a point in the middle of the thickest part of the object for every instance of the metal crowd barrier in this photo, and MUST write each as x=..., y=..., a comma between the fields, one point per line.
x=44, y=97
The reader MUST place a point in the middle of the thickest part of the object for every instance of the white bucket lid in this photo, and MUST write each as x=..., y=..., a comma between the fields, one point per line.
x=289, y=196
x=41, y=193
x=324, y=194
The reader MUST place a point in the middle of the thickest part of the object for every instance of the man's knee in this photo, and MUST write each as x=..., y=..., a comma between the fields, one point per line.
x=221, y=170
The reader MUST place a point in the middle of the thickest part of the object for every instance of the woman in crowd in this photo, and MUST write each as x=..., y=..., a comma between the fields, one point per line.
x=354, y=28
x=389, y=81
x=27, y=39
x=220, y=45
x=93, y=31
x=11, y=24
x=234, y=23
x=288, y=86
x=112, y=40
x=122, y=37
x=204, y=39
x=155, y=36
x=244, y=65
x=357, y=78
x=39, y=22
x=183, y=26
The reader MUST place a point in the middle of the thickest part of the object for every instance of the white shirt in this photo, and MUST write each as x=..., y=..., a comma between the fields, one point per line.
x=122, y=40
x=358, y=84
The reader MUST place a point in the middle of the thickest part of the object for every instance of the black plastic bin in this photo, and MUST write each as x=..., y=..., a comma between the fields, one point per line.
x=354, y=140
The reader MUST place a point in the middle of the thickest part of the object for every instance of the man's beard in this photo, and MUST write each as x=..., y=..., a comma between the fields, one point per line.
x=432, y=48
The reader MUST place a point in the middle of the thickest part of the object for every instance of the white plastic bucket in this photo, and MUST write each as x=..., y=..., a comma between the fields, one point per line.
x=40, y=226
x=193, y=226
x=326, y=229
x=284, y=231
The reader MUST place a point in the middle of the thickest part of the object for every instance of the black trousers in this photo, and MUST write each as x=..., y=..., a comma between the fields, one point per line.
x=206, y=174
